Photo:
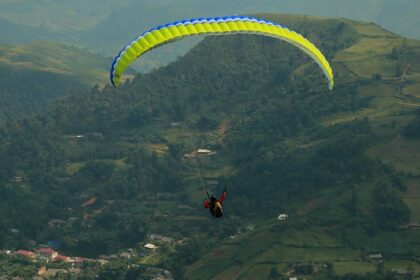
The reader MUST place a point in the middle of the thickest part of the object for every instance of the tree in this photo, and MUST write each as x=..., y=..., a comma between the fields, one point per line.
x=376, y=77
x=274, y=273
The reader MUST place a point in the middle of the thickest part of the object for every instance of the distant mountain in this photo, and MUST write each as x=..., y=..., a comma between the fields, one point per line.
x=106, y=26
x=127, y=23
x=36, y=74
x=59, y=15
x=56, y=58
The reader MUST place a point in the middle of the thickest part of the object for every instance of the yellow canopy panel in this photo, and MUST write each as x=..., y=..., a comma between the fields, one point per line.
x=227, y=25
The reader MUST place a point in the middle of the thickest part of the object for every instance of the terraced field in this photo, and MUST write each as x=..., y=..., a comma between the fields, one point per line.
x=254, y=254
x=394, y=96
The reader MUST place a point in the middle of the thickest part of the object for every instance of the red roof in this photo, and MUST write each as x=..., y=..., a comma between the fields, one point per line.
x=46, y=251
x=62, y=258
x=79, y=259
x=25, y=253
x=89, y=202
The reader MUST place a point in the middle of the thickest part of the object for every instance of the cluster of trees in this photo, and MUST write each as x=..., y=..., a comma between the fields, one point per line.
x=412, y=130
x=249, y=81
x=23, y=92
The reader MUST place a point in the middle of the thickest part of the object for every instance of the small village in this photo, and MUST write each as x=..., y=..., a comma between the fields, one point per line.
x=51, y=263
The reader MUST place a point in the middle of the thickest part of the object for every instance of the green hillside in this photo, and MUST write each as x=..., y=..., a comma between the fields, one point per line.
x=376, y=65
x=56, y=58
x=35, y=74
x=102, y=170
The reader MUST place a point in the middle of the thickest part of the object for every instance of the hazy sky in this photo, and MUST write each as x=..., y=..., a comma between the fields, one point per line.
x=398, y=15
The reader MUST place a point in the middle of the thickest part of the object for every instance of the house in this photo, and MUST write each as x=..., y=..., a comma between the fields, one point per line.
x=103, y=261
x=282, y=217
x=60, y=258
x=56, y=223
x=14, y=230
x=125, y=255
x=16, y=179
x=191, y=155
x=48, y=253
x=75, y=270
x=89, y=202
x=375, y=257
x=250, y=227
x=79, y=136
x=42, y=271
x=27, y=254
x=151, y=246
x=414, y=225
x=161, y=238
x=175, y=124
x=204, y=152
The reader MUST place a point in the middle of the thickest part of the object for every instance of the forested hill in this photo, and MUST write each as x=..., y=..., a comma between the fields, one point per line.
x=33, y=75
x=100, y=171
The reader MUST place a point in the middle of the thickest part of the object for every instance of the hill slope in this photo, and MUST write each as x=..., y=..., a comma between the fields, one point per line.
x=112, y=160
x=38, y=73
x=311, y=235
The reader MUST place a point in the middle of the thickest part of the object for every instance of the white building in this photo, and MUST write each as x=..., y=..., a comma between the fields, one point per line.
x=150, y=246
x=204, y=152
x=282, y=217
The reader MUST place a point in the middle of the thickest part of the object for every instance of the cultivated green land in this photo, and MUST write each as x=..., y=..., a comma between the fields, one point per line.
x=343, y=165
x=392, y=100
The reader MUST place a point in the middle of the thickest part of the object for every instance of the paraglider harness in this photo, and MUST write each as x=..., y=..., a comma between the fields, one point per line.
x=214, y=204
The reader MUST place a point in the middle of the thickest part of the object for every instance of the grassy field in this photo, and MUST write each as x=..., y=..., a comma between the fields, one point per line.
x=255, y=253
x=359, y=267
x=57, y=58
x=403, y=154
x=412, y=199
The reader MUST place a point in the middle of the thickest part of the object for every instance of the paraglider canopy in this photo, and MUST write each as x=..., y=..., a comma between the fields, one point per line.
x=167, y=33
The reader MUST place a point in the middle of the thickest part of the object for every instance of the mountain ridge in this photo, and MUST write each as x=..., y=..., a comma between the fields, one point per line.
x=283, y=144
x=49, y=70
